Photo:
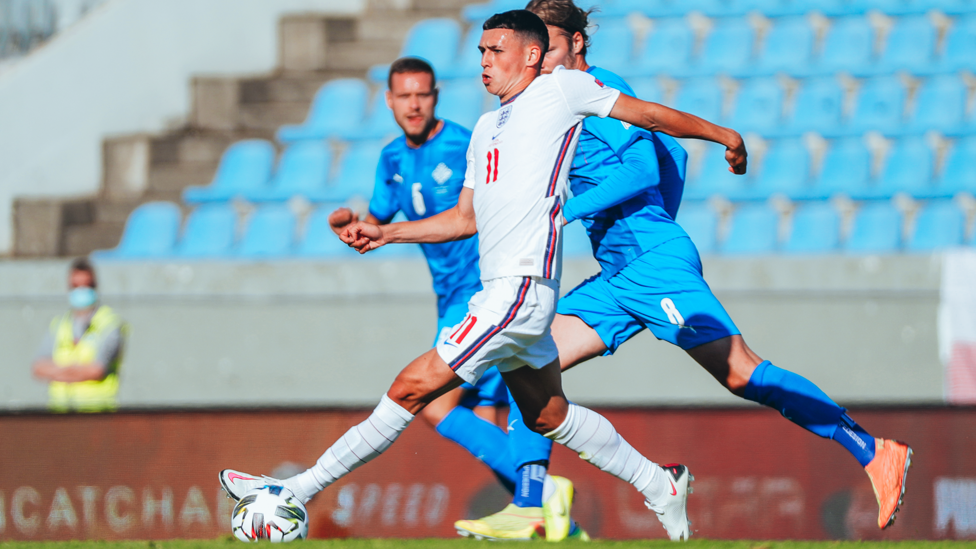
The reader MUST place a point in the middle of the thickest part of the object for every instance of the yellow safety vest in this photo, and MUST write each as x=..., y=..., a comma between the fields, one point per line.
x=85, y=396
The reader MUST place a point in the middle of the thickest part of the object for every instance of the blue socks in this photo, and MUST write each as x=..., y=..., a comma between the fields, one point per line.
x=532, y=478
x=803, y=403
x=485, y=441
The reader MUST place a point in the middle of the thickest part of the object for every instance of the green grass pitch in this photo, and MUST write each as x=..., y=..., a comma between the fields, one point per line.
x=229, y=543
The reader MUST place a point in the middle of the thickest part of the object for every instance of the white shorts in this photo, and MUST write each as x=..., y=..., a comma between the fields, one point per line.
x=507, y=326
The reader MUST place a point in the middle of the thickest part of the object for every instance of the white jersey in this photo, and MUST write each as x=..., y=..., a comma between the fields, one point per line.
x=518, y=163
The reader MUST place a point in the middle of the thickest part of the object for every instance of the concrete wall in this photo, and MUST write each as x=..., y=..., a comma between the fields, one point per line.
x=124, y=68
x=206, y=334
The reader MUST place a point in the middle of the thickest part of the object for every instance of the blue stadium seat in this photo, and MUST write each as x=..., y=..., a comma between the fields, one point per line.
x=150, y=231
x=959, y=173
x=303, y=170
x=357, y=172
x=846, y=169
x=960, y=43
x=785, y=169
x=940, y=104
x=651, y=8
x=698, y=219
x=877, y=229
x=754, y=230
x=954, y=7
x=338, y=109
x=818, y=106
x=939, y=224
x=900, y=7
x=728, y=47
x=847, y=47
x=209, y=232
x=647, y=88
x=910, y=45
x=714, y=178
x=909, y=169
x=467, y=64
x=788, y=45
x=839, y=8
x=667, y=49
x=480, y=12
x=612, y=45
x=270, y=232
x=576, y=243
x=245, y=166
x=462, y=102
x=779, y=8
x=319, y=240
x=816, y=229
x=880, y=105
x=379, y=122
x=758, y=106
x=701, y=97
x=434, y=40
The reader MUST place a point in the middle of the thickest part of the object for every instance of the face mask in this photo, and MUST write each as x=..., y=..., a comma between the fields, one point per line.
x=82, y=297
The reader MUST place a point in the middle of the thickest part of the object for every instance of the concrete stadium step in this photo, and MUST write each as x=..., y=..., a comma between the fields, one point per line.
x=84, y=239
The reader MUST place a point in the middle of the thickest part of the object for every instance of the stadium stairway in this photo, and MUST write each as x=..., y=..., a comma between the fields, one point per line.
x=137, y=169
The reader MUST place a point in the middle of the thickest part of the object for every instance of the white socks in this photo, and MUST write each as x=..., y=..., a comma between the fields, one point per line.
x=361, y=444
x=595, y=440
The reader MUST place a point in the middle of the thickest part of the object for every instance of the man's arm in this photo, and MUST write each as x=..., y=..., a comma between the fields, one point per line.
x=342, y=217
x=638, y=171
x=457, y=223
x=47, y=370
x=658, y=118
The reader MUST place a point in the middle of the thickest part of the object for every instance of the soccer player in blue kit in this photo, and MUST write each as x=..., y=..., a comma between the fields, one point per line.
x=421, y=174
x=627, y=186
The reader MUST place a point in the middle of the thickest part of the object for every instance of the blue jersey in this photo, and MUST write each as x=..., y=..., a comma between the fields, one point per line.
x=422, y=182
x=627, y=185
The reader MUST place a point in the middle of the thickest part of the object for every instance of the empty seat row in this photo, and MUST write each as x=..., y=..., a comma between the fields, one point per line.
x=816, y=227
x=847, y=167
x=247, y=171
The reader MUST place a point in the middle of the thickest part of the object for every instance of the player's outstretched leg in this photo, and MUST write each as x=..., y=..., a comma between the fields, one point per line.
x=798, y=399
x=545, y=409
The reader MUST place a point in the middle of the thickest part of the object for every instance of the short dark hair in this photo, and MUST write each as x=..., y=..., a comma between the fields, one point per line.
x=565, y=15
x=525, y=23
x=410, y=65
x=82, y=264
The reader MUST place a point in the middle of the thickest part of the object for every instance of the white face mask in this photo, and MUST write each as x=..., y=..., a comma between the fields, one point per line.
x=82, y=297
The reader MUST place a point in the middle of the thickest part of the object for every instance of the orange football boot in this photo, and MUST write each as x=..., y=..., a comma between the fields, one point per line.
x=887, y=472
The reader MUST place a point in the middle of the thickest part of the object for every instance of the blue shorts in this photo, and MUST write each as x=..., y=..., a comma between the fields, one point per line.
x=491, y=389
x=663, y=290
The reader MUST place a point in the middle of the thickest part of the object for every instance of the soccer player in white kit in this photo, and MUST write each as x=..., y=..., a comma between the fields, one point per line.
x=518, y=161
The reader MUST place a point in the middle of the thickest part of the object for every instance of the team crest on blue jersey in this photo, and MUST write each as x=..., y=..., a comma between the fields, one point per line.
x=442, y=173
x=503, y=116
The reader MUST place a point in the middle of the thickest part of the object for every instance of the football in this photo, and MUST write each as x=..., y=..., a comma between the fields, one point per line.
x=270, y=513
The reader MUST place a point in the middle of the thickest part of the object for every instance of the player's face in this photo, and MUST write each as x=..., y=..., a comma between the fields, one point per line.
x=412, y=98
x=504, y=58
x=562, y=50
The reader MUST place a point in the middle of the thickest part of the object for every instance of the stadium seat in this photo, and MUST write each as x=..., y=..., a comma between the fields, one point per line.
x=467, y=63
x=647, y=88
x=269, y=232
x=880, y=105
x=954, y=7
x=959, y=173
x=434, y=40
x=667, y=49
x=788, y=45
x=714, y=178
x=650, y=8
x=303, y=170
x=379, y=122
x=877, y=229
x=612, y=45
x=209, y=232
x=900, y=7
x=848, y=46
x=910, y=45
x=938, y=224
x=960, y=43
x=846, y=169
x=758, y=106
x=245, y=166
x=357, y=172
x=815, y=229
x=480, y=12
x=701, y=97
x=150, y=231
x=319, y=240
x=940, y=104
x=785, y=169
x=818, y=106
x=325, y=118
x=576, y=243
x=754, y=230
x=728, y=47
x=462, y=101
x=698, y=219
x=909, y=169
x=779, y=8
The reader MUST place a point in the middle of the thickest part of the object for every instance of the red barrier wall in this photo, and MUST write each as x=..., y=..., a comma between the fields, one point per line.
x=154, y=475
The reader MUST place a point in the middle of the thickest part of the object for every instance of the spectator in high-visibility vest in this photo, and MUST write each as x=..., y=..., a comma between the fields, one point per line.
x=82, y=351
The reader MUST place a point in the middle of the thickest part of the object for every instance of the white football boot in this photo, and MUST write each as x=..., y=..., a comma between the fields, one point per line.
x=672, y=508
x=236, y=483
